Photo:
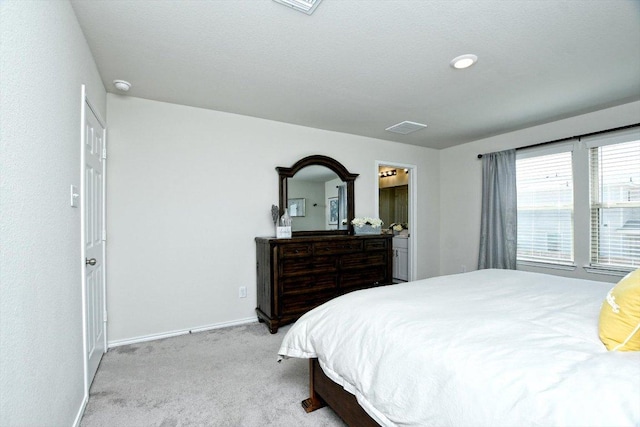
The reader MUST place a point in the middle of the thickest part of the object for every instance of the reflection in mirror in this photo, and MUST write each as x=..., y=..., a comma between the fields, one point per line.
x=315, y=199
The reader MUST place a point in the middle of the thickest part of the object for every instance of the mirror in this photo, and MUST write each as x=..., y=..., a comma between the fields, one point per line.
x=394, y=205
x=318, y=193
x=312, y=193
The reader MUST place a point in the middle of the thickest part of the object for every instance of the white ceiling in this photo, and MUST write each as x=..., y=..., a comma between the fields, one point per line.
x=360, y=66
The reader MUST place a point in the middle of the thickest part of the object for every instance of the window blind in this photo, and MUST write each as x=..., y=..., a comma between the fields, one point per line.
x=545, y=208
x=615, y=205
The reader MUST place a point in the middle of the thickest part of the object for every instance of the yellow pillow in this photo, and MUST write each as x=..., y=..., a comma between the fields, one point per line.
x=620, y=315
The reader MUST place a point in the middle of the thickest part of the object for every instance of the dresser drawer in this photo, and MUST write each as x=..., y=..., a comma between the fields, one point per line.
x=337, y=247
x=363, y=260
x=299, y=304
x=311, y=265
x=365, y=278
x=373, y=244
x=294, y=250
x=308, y=284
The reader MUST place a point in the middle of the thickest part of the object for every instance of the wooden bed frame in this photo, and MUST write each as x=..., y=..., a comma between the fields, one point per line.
x=324, y=392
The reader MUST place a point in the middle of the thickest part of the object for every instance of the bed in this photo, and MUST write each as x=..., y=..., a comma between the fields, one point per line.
x=485, y=348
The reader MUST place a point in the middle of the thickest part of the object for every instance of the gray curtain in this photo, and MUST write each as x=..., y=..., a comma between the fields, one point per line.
x=342, y=207
x=499, y=221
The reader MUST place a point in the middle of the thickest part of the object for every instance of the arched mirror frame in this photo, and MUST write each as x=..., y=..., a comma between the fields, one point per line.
x=318, y=160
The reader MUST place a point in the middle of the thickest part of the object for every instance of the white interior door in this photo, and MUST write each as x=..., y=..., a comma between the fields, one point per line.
x=93, y=226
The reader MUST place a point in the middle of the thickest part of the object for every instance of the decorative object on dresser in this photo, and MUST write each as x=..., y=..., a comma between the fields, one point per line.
x=283, y=231
x=367, y=225
x=275, y=214
x=298, y=274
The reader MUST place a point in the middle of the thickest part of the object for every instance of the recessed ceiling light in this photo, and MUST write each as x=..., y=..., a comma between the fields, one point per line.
x=463, y=61
x=122, y=85
x=306, y=6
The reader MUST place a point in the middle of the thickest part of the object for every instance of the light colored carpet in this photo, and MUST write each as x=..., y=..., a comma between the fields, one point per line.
x=223, y=377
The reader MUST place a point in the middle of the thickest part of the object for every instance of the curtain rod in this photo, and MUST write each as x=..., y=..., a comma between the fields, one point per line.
x=575, y=137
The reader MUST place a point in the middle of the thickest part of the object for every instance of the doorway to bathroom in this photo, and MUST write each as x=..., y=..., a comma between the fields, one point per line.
x=396, y=202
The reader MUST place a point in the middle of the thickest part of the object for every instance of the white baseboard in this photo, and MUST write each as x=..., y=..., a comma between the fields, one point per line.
x=80, y=413
x=153, y=337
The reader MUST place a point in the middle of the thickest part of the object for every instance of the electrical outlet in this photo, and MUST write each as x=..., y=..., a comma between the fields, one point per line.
x=242, y=291
x=463, y=268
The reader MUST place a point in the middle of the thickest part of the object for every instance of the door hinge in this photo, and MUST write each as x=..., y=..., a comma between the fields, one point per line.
x=104, y=152
x=105, y=315
x=104, y=235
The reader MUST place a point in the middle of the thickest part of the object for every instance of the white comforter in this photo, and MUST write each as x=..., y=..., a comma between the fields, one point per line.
x=487, y=348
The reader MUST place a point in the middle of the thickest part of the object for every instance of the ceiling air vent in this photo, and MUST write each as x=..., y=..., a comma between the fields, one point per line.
x=406, y=127
x=306, y=6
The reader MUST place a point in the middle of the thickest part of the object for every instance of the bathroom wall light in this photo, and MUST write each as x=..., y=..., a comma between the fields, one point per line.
x=388, y=173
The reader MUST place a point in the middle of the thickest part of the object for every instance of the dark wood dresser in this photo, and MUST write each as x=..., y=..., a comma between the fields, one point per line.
x=298, y=274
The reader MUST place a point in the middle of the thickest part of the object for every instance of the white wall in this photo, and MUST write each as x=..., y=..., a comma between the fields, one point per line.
x=181, y=238
x=461, y=184
x=44, y=60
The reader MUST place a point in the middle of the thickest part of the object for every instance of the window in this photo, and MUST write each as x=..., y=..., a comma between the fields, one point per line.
x=579, y=203
x=615, y=204
x=545, y=208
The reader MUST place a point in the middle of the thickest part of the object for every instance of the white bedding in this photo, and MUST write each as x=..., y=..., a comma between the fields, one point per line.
x=486, y=348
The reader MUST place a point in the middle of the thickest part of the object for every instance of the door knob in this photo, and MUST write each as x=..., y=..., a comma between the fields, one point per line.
x=91, y=261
